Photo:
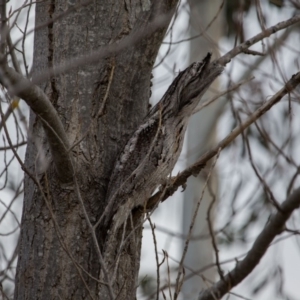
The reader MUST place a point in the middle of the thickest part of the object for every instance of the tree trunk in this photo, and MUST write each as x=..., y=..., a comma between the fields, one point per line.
x=58, y=258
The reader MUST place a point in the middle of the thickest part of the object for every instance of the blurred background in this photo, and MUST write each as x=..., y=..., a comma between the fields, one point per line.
x=236, y=191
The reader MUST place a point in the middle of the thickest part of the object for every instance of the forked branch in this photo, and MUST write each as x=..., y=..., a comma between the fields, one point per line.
x=38, y=101
x=225, y=59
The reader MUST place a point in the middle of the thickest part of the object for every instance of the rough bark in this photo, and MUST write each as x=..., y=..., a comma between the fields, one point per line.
x=58, y=257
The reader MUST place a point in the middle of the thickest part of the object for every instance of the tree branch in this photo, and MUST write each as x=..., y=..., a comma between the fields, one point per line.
x=181, y=178
x=274, y=227
x=231, y=89
x=225, y=59
x=5, y=148
x=13, y=55
x=41, y=105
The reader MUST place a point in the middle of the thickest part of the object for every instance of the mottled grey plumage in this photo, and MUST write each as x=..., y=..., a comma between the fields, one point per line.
x=152, y=151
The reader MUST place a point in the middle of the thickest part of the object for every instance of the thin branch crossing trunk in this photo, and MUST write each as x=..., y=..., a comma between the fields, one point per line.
x=100, y=105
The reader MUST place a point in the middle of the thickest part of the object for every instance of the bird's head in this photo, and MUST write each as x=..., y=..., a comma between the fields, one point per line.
x=185, y=92
x=195, y=81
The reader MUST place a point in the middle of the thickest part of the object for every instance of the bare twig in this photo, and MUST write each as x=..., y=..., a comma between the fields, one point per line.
x=156, y=257
x=274, y=227
x=95, y=240
x=225, y=59
x=14, y=150
x=193, y=272
x=178, y=286
x=211, y=230
x=203, y=31
x=24, y=35
x=13, y=104
x=13, y=55
x=169, y=277
x=18, y=192
x=257, y=173
x=102, y=108
x=208, y=102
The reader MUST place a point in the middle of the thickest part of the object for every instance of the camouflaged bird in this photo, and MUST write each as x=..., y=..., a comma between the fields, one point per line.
x=152, y=151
